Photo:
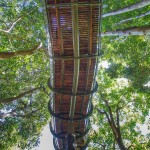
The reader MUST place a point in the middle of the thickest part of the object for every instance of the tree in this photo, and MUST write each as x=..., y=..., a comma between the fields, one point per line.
x=128, y=8
x=137, y=17
x=122, y=101
x=121, y=108
x=22, y=33
x=119, y=113
x=145, y=30
x=23, y=122
x=125, y=30
x=115, y=126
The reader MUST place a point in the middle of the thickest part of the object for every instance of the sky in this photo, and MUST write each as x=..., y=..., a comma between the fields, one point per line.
x=46, y=140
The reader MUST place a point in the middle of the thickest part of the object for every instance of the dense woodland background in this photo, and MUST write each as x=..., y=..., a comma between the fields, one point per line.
x=122, y=100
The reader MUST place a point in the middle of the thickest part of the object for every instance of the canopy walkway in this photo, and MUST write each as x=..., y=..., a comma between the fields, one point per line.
x=74, y=48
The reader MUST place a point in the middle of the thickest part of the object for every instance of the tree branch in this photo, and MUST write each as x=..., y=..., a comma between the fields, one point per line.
x=128, y=19
x=4, y=5
x=112, y=122
x=25, y=115
x=118, y=121
x=44, y=89
x=4, y=115
x=102, y=145
x=8, y=55
x=12, y=26
x=110, y=111
x=10, y=114
x=144, y=30
x=103, y=112
x=135, y=6
x=9, y=100
x=14, y=23
x=30, y=114
x=117, y=114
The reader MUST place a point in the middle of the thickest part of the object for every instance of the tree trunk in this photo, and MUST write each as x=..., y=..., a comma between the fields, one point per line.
x=137, y=5
x=120, y=144
x=145, y=30
x=8, y=55
x=128, y=19
x=8, y=100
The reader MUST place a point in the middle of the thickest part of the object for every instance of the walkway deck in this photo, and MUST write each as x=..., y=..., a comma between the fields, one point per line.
x=74, y=29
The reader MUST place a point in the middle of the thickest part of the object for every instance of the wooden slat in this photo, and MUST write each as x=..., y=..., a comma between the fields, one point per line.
x=74, y=32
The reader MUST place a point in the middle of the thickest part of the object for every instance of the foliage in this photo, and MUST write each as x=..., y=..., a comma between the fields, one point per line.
x=23, y=119
x=23, y=125
x=123, y=79
x=110, y=23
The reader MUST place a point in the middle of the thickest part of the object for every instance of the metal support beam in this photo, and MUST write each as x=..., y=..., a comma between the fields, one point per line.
x=73, y=4
x=83, y=56
x=75, y=28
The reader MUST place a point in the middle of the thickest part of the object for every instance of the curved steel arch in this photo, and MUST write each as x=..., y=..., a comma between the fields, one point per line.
x=60, y=134
x=64, y=92
x=59, y=115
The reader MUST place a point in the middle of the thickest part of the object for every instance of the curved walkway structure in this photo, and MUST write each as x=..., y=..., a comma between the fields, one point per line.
x=74, y=48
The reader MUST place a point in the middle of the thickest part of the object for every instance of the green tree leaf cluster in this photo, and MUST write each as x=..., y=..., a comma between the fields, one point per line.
x=23, y=80
x=122, y=101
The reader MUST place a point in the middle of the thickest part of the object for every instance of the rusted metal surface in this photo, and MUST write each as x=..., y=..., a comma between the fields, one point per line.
x=74, y=29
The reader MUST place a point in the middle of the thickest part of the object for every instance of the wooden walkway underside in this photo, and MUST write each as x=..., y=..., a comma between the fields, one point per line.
x=74, y=47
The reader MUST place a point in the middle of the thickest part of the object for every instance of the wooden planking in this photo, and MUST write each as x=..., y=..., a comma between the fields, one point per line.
x=60, y=21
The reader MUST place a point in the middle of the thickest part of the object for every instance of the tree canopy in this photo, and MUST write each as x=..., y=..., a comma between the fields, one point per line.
x=122, y=101
x=24, y=70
